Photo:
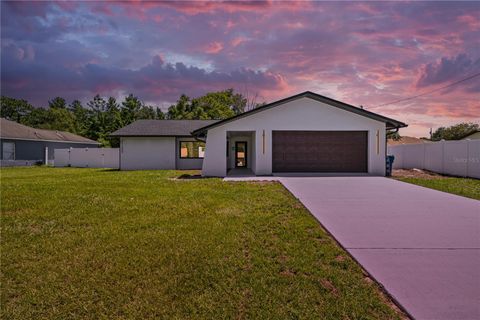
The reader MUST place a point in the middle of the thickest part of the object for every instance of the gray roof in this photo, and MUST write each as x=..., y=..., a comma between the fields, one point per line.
x=166, y=128
x=13, y=130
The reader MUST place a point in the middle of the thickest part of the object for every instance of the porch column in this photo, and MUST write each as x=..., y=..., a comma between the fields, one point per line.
x=215, y=159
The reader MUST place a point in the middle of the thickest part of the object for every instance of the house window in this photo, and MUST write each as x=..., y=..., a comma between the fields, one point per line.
x=192, y=150
x=8, y=151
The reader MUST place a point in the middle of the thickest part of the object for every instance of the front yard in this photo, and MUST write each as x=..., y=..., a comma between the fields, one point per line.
x=465, y=187
x=86, y=243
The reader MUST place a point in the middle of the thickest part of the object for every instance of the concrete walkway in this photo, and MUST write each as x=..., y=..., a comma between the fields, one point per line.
x=422, y=245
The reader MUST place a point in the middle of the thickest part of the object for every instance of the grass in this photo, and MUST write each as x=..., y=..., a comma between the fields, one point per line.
x=465, y=187
x=100, y=244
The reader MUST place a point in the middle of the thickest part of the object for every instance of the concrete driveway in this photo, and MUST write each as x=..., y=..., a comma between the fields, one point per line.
x=422, y=245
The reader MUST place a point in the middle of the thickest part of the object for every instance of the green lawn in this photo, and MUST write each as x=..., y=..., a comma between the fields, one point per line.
x=469, y=188
x=102, y=244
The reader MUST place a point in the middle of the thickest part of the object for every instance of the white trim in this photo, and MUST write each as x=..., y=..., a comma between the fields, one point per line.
x=62, y=141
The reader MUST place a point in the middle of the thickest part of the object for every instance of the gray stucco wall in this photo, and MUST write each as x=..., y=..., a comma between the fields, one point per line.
x=35, y=150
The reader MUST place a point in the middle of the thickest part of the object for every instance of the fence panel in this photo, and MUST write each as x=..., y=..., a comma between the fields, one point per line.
x=456, y=158
x=473, y=161
x=87, y=158
x=434, y=157
x=61, y=157
x=414, y=156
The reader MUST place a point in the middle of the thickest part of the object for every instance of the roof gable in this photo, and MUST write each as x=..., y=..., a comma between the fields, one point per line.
x=390, y=123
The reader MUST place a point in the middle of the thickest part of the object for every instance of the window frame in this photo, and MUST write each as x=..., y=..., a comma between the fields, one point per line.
x=180, y=149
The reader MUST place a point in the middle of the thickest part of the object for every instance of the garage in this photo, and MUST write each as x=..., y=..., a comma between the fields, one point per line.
x=319, y=151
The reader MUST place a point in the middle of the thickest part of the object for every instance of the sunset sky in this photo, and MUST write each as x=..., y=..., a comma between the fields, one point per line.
x=363, y=53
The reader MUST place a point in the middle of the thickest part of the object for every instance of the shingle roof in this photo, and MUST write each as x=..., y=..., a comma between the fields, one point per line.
x=13, y=130
x=389, y=122
x=153, y=128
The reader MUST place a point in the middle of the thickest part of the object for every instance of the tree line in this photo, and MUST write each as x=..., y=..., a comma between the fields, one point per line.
x=101, y=116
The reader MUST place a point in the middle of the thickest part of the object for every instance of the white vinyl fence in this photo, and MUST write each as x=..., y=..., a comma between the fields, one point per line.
x=456, y=158
x=87, y=157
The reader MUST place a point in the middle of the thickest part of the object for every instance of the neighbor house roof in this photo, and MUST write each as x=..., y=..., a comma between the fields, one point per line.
x=470, y=134
x=16, y=131
x=166, y=128
x=406, y=140
x=390, y=123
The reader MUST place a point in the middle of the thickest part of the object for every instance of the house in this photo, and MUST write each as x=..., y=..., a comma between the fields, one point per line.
x=23, y=145
x=161, y=144
x=472, y=136
x=407, y=140
x=306, y=132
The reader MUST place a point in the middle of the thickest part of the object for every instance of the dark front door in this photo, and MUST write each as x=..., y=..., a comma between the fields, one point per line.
x=240, y=154
x=319, y=151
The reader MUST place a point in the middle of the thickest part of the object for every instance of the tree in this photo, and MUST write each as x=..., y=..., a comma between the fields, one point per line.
x=160, y=115
x=181, y=109
x=81, y=117
x=14, y=109
x=131, y=107
x=395, y=136
x=57, y=103
x=37, y=118
x=213, y=105
x=147, y=112
x=59, y=119
x=454, y=132
x=98, y=122
x=114, y=117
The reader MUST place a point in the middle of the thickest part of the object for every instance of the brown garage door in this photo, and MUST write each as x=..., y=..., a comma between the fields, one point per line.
x=319, y=151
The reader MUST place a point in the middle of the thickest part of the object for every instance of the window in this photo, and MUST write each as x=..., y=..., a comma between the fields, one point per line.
x=8, y=151
x=192, y=149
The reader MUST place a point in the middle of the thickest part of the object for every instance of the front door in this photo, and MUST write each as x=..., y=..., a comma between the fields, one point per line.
x=240, y=154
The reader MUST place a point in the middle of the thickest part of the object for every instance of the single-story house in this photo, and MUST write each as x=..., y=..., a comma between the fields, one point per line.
x=472, y=136
x=161, y=144
x=306, y=132
x=23, y=145
x=406, y=140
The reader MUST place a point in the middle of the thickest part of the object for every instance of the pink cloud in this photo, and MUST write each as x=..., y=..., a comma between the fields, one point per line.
x=471, y=21
x=365, y=53
x=213, y=48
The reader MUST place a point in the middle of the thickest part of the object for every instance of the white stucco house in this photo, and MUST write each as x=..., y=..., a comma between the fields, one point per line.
x=306, y=132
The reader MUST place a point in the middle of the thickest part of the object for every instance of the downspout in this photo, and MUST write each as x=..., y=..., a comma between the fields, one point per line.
x=386, y=143
x=386, y=138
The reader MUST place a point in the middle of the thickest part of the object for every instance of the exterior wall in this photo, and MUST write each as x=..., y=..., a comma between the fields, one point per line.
x=147, y=153
x=35, y=150
x=301, y=114
x=186, y=164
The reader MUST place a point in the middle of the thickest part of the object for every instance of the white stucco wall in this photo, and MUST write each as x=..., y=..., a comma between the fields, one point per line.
x=301, y=114
x=143, y=153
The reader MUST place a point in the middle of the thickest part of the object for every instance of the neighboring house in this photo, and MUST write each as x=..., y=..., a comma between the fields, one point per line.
x=161, y=144
x=472, y=136
x=302, y=133
x=407, y=140
x=22, y=145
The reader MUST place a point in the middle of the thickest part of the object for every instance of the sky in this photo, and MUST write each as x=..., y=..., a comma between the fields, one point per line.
x=363, y=53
